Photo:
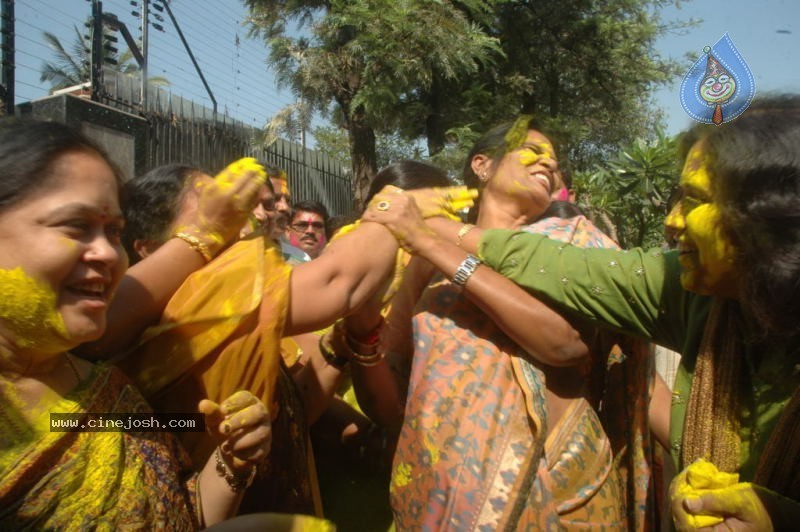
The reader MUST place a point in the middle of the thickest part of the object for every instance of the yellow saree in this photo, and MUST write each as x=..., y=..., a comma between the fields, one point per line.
x=221, y=333
x=92, y=480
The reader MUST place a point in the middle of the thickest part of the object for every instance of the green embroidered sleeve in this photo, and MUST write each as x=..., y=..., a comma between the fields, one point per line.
x=634, y=291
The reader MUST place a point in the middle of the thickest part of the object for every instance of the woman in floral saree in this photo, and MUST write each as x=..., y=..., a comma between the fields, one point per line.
x=492, y=438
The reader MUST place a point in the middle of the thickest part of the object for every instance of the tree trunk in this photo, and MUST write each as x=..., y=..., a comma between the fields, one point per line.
x=434, y=124
x=362, y=154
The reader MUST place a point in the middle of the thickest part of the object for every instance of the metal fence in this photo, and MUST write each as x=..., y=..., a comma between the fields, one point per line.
x=182, y=131
x=176, y=129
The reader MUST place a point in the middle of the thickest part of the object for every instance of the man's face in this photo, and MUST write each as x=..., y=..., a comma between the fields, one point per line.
x=265, y=211
x=307, y=232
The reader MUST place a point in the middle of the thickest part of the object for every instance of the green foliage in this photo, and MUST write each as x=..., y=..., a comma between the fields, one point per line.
x=430, y=70
x=365, y=57
x=70, y=67
x=388, y=148
x=632, y=190
x=586, y=68
x=74, y=66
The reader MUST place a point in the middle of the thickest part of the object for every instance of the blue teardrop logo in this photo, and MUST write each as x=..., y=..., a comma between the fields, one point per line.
x=719, y=86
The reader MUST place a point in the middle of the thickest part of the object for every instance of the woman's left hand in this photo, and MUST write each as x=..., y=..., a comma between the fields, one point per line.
x=241, y=425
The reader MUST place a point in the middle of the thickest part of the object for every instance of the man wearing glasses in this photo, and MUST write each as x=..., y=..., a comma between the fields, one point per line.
x=307, y=230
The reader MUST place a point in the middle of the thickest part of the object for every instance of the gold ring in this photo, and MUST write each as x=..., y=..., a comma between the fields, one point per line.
x=383, y=205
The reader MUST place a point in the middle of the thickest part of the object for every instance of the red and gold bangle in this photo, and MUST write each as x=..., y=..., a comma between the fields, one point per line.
x=365, y=355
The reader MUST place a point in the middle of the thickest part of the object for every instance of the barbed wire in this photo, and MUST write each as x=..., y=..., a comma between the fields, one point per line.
x=238, y=75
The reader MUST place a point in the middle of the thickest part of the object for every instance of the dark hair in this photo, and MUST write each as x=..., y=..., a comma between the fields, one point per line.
x=562, y=209
x=152, y=202
x=311, y=206
x=495, y=143
x=273, y=170
x=269, y=185
x=28, y=151
x=408, y=175
x=338, y=221
x=756, y=179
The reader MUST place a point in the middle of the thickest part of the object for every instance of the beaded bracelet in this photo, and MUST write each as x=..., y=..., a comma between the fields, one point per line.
x=236, y=482
x=329, y=353
x=196, y=244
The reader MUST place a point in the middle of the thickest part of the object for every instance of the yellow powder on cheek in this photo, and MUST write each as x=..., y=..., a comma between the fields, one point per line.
x=28, y=308
x=705, y=229
x=528, y=157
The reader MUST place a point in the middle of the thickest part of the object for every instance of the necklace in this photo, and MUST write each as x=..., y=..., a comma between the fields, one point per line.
x=73, y=368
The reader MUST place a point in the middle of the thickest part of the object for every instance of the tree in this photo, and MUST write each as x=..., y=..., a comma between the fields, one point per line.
x=441, y=71
x=71, y=67
x=74, y=66
x=633, y=190
x=389, y=148
x=363, y=55
x=590, y=69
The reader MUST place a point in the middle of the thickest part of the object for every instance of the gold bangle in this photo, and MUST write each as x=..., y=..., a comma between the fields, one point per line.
x=196, y=244
x=466, y=228
x=367, y=361
x=342, y=344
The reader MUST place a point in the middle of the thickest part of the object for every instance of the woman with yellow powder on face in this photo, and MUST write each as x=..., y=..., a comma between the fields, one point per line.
x=727, y=299
x=61, y=262
x=491, y=437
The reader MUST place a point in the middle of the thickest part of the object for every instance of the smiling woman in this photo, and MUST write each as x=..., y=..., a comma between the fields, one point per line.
x=61, y=261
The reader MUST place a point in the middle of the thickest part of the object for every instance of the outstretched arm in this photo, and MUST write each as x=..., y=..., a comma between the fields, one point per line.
x=539, y=330
x=337, y=282
x=356, y=266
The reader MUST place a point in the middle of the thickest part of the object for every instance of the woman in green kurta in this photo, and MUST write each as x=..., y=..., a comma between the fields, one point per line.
x=728, y=299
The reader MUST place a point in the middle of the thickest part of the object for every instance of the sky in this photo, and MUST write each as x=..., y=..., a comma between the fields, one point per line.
x=766, y=33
